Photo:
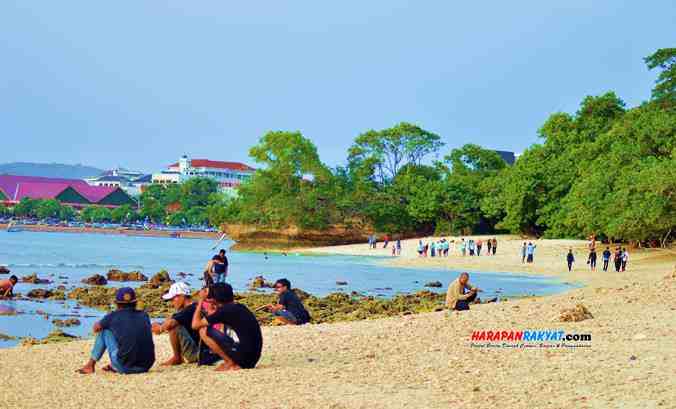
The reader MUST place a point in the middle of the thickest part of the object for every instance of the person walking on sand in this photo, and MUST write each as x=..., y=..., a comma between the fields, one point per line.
x=236, y=354
x=126, y=334
x=394, y=251
x=625, y=258
x=495, y=245
x=530, y=252
x=471, y=247
x=7, y=287
x=399, y=247
x=184, y=341
x=460, y=293
x=479, y=244
x=463, y=247
x=606, y=258
x=570, y=259
x=489, y=247
x=421, y=248
x=617, y=259
x=592, y=259
x=433, y=247
x=523, y=252
x=289, y=309
x=386, y=240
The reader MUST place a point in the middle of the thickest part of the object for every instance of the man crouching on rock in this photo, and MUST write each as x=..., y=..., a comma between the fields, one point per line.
x=185, y=342
x=126, y=334
x=236, y=354
x=461, y=293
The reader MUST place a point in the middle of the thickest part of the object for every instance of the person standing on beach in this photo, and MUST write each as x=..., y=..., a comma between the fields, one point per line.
x=592, y=259
x=617, y=259
x=570, y=259
x=460, y=293
x=289, y=309
x=399, y=247
x=489, y=247
x=495, y=245
x=184, y=341
x=243, y=353
x=463, y=247
x=625, y=258
x=479, y=244
x=606, y=258
x=224, y=261
x=530, y=252
x=420, y=248
x=471, y=247
x=433, y=247
x=386, y=240
x=126, y=334
x=7, y=287
x=523, y=252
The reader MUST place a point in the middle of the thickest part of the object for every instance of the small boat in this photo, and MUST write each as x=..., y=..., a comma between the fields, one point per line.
x=13, y=227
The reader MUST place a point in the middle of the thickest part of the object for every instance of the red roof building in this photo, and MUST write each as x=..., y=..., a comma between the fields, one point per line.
x=229, y=175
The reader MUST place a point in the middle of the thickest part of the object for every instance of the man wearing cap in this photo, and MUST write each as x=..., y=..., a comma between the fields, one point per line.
x=126, y=334
x=243, y=353
x=183, y=339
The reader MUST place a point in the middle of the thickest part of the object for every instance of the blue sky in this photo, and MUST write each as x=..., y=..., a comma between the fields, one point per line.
x=137, y=84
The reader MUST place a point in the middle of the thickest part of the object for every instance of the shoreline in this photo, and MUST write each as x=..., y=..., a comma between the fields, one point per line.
x=421, y=360
x=127, y=232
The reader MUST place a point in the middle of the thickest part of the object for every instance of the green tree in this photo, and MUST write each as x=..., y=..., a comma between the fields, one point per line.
x=665, y=88
x=387, y=150
x=197, y=192
x=123, y=214
x=26, y=208
x=49, y=208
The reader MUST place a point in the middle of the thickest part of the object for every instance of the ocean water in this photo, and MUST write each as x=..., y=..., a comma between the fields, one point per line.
x=67, y=258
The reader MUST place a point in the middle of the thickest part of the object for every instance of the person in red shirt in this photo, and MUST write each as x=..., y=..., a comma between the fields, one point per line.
x=7, y=287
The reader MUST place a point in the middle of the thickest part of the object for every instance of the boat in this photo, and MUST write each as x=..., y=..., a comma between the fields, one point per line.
x=13, y=227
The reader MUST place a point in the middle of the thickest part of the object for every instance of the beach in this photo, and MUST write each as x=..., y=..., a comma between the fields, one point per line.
x=415, y=361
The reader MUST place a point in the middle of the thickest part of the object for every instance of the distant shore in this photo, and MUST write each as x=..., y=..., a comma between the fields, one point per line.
x=127, y=232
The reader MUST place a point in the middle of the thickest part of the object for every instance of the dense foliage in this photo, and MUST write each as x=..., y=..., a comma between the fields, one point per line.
x=605, y=170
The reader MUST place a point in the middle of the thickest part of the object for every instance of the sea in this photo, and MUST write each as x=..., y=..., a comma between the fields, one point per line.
x=67, y=258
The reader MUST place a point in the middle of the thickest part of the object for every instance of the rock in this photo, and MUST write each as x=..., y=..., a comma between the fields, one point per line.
x=53, y=337
x=434, y=284
x=33, y=279
x=5, y=337
x=159, y=279
x=633, y=358
x=7, y=310
x=70, y=322
x=341, y=282
x=260, y=282
x=578, y=313
x=4, y=270
x=39, y=293
x=96, y=279
x=117, y=275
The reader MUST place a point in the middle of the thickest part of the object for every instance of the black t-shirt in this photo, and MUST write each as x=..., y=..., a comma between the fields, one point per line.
x=132, y=331
x=184, y=319
x=245, y=325
x=294, y=305
x=223, y=259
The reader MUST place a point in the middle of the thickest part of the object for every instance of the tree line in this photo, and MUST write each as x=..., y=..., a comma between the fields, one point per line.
x=606, y=169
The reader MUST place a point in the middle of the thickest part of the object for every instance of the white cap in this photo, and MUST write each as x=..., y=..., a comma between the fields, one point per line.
x=177, y=289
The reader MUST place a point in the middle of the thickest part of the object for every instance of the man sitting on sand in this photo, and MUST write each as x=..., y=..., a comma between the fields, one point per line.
x=7, y=287
x=289, y=309
x=243, y=353
x=126, y=334
x=461, y=293
x=185, y=342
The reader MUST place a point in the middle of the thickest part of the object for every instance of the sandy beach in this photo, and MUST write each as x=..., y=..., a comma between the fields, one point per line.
x=414, y=361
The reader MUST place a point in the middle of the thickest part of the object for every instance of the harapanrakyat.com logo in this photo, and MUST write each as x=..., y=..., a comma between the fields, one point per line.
x=524, y=339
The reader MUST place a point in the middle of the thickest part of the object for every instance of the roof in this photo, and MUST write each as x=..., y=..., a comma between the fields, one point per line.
x=111, y=179
x=143, y=179
x=206, y=163
x=35, y=187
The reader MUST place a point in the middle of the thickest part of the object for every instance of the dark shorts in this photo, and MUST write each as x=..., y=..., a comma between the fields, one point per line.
x=233, y=349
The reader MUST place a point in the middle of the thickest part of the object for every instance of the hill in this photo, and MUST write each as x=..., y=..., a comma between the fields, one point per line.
x=56, y=170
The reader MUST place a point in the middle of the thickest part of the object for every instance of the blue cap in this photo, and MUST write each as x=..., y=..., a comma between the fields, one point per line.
x=125, y=295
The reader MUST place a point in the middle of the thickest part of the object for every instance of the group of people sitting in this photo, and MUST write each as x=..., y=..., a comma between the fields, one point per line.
x=206, y=328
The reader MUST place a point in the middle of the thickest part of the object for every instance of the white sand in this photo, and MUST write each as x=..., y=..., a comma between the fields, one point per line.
x=422, y=361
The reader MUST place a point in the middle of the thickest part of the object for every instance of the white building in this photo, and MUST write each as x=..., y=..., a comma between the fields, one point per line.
x=229, y=175
x=128, y=180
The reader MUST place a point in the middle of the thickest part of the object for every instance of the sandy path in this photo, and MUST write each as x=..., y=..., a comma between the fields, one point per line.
x=422, y=361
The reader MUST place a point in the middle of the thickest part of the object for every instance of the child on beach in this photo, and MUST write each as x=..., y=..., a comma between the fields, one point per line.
x=570, y=258
x=7, y=287
x=606, y=258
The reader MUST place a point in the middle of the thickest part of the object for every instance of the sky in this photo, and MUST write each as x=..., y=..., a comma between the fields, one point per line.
x=139, y=83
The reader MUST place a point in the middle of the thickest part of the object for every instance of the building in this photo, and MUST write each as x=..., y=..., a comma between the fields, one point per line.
x=507, y=156
x=72, y=192
x=229, y=175
x=130, y=181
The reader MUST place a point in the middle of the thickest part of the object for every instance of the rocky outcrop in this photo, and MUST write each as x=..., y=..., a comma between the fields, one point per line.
x=260, y=282
x=160, y=279
x=96, y=279
x=39, y=293
x=578, y=313
x=69, y=322
x=34, y=279
x=434, y=284
x=118, y=275
x=4, y=270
